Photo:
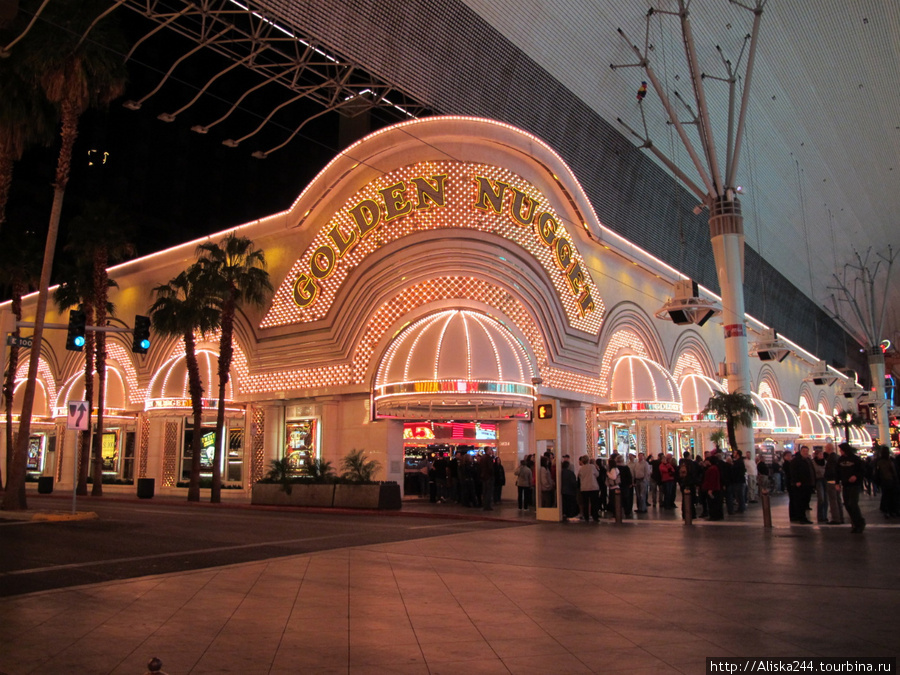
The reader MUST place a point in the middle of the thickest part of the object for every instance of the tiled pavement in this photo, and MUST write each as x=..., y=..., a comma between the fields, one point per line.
x=644, y=597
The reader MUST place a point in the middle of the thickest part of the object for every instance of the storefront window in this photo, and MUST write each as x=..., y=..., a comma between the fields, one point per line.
x=128, y=457
x=36, y=447
x=301, y=444
x=232, y=460
x=235, y=467
x=109, y=452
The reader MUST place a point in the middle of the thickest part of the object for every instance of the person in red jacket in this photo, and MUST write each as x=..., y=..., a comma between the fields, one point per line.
x=712, y=488
x=667, y=481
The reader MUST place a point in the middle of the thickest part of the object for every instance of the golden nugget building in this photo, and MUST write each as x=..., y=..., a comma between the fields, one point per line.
x=432, y=281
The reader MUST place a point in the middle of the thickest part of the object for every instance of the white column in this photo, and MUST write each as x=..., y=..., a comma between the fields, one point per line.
x=576, y=432
x=726, y=225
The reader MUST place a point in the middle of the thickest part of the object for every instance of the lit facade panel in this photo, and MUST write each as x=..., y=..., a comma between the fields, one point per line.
x=413, y=289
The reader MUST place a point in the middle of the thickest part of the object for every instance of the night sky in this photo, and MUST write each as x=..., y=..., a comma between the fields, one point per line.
x=173, y=183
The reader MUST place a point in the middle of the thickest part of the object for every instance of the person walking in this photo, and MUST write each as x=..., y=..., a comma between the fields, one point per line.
x=568, y=487
x=523, y=484
x=641, y=476
x=712, y=488
x=821, y=491
x=833, y=486
x=590, y=489
x=803, y=478
x=886, y=478
x=486, y=469
x=852, y=473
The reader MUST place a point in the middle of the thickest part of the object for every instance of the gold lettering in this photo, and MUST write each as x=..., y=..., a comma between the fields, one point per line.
x=576, y=278
x=321, y=265
x=430, y=192
x=367, y=215
x=520, y=199
x=563, y=253
x=305, y=291
x=341, y=245
x=545, y=227
x=395, y=205
x=488, y=196
x=585, y=303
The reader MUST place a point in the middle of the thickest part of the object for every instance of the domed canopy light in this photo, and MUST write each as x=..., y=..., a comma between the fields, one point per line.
x=643, y=389
x=785, y=421
x=454, y=364
x=170, y=389
x=815, y=425
x=695, y=391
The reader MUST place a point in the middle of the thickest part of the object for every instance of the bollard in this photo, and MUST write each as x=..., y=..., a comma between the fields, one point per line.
x=617, y=500
x=766, y=509
x=687, y=507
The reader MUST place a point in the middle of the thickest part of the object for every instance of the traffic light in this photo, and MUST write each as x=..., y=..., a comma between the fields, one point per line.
x=545, y=424
x=140, y=342
x=77, y=327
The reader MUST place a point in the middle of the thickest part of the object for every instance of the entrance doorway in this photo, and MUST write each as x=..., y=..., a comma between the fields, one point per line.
x=427, y=441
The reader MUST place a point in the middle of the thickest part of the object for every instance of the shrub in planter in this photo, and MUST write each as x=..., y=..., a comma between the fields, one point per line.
x=357, y=468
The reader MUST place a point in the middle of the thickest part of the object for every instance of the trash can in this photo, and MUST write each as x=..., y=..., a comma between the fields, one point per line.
x=145, y=488
x=45, y=485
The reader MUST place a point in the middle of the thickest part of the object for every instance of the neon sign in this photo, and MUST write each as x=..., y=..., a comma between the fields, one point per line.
x=430, y=196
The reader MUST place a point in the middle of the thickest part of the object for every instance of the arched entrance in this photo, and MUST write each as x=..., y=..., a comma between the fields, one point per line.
x=450, y=378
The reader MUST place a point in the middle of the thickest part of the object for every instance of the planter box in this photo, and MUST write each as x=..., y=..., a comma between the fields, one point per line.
x=272, y=494
x=385, y=496
x=327, y=495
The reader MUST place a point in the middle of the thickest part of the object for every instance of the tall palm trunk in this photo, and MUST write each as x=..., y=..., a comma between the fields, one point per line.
x=101, y=290
x=14, y=499
x=226, y=352
x=196, y=389
x=6, y=174
x=732, y=436
x=9, y=386
x=89, y=346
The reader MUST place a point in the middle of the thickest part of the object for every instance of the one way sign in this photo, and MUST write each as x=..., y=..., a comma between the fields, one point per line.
x=78, y=415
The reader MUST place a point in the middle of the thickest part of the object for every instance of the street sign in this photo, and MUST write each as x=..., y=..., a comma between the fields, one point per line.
x=77, y=417
x=25, y=342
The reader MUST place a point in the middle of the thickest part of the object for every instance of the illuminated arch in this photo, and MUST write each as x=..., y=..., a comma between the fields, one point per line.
x=806, y=397
x=692, y=355
x=115, y=397
x=768, y=383
x=627, y=330
x=45, y=376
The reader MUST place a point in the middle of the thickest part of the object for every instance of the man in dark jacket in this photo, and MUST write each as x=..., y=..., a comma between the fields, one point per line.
x=712, y=487
x=852, y=473
x=803, y=479
x=737, y=497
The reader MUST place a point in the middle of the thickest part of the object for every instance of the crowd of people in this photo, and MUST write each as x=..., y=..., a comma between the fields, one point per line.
x=474, y=481
x=711, y=486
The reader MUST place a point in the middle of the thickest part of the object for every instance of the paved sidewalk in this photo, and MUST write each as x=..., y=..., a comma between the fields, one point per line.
x=648, y=597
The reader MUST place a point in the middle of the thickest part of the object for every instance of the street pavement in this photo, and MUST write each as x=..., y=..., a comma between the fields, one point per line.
x=650, y=595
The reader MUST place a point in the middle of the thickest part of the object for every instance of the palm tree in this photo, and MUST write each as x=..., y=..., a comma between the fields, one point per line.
x=735, y=409
x=19, y=274
x=25, y=119
x=100, y=234
x=717, y=437
x=844, y=419
x=236, y=273
x=74, y=75
x=183, y=307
